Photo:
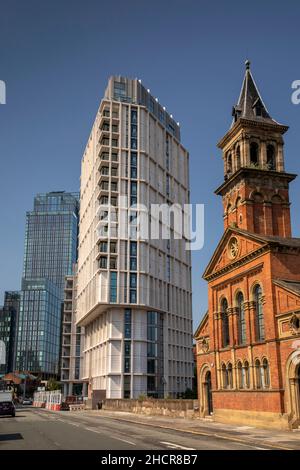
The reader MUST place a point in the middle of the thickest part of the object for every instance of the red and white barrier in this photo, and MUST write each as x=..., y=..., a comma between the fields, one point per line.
x=49, y=400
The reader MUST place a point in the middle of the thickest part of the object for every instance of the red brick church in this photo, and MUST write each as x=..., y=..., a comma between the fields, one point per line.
x=247, y=357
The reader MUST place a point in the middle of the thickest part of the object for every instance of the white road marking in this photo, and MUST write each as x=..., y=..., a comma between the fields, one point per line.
x=176, y=446
x=124, y=440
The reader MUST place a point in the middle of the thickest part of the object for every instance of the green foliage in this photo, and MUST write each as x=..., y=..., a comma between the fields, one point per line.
x=142, y=397
x=53, y=385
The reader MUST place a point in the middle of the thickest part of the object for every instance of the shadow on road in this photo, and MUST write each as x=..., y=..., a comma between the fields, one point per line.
x=11, y=437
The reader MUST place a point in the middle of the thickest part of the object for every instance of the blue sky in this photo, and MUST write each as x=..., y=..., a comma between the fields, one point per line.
x=56, y=57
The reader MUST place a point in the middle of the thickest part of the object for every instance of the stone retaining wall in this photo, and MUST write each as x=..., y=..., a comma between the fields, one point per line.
x=159, y=407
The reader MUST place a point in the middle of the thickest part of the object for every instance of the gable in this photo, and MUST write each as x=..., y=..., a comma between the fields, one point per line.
x=202, y=329
x=234, y=246
x=286, y=300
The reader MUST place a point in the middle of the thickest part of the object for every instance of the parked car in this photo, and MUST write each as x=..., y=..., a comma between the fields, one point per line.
x=27, y=401
x=7, y=406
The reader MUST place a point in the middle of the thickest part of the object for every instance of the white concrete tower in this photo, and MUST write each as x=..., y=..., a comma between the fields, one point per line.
x=134, y=293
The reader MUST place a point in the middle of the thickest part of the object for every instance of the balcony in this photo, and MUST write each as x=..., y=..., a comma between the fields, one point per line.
x=114, y=171
x=104, y=185
x=104, y=171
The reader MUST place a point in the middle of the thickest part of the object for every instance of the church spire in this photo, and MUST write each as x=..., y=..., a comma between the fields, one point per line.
x=250, y=104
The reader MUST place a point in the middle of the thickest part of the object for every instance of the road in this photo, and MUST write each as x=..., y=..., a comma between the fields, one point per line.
x=34, y=429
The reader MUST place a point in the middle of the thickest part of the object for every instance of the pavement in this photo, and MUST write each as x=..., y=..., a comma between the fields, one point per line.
x=35, y=428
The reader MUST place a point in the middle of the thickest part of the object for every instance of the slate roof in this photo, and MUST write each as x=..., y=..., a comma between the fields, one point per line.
x=250, y=100
x=293, y=286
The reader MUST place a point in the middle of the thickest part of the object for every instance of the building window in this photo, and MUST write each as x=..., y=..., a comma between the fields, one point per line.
x=224, y=376
x=238, y=157
x=241, y=318
x=265, y=373
x=127, y=323
x=225, y=323
x=259, y=315
x=103, y=262
x=134, y=128
x=127, y=385
x=230, y=375
x=254, y=153
x=246, y=372
x=258, y=374
x=132, y=286
x=229, y=164
x=241, y=381
x=127, y=357
x=133, y=170
x=113, y=247
x=271, y=157
x=119, y=90
x=113, y=286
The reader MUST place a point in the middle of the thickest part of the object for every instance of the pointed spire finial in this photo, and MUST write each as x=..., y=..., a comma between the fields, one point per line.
x=247, y=63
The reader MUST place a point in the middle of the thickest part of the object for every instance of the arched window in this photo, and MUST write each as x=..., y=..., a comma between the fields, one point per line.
x=258, y=374
x=238, y=157
x=242, y=320
x=271, y=157
x=229, y=164
x=224, y=376
x=246, y=373
x=265, y=373
x=254, y=153
x=241, y=382
x=225, y=323
x=230, y=376
x=259, y=315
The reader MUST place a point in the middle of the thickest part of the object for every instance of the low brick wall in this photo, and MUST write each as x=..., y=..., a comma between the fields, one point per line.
x=159, y=407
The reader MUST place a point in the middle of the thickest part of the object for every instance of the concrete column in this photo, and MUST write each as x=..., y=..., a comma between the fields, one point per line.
x=263, y=154
x=252, y=368
x=231, y=326
x=279, y=158
x=84, y=389
x=295, y=405
x=252, y=321
x=248, y=322
x=246, y=151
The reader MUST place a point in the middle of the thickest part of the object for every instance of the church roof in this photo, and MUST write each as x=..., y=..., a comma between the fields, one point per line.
x=291, y=242
x=264, y=239
x=202, y=322
x=250, y=104
x=293, y=286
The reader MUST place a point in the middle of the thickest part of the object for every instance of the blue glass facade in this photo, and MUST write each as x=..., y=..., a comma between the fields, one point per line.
x=51, y=237
x=50, y=252
x=39, y=327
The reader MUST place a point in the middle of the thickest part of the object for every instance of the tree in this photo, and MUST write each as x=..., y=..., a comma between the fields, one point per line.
x=53, y=385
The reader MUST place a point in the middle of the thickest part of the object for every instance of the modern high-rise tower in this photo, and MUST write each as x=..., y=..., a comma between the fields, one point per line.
x=134, y=293
x=50, y=252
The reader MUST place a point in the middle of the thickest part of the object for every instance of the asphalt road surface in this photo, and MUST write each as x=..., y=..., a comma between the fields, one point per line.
x=34, y=429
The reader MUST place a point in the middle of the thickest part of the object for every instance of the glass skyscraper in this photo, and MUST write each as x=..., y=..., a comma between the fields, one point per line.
x=50, y=252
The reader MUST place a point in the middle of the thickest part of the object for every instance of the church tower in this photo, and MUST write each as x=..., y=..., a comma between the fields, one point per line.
x=247, y=358
x=255, y=191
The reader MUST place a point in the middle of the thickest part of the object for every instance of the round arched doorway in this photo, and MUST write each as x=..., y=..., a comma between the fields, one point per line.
x=293, y=389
